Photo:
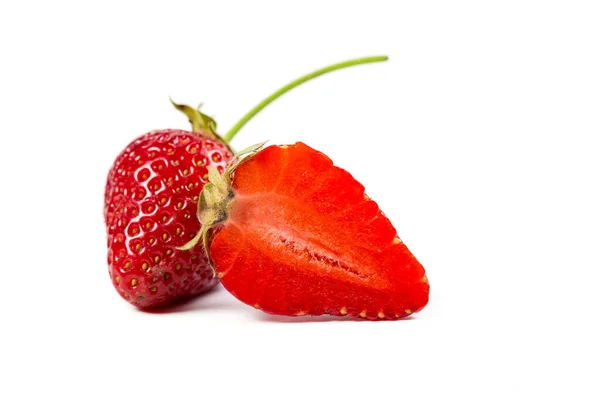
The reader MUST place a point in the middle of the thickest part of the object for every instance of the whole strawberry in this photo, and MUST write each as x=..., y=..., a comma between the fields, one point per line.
x=150, y=204
x=151, y=201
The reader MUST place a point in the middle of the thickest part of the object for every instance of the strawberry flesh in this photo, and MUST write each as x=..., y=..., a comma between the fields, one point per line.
x=302, y=237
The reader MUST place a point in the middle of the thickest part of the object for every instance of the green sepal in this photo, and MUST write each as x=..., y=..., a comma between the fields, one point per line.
x=201, y=123
x=242, y=155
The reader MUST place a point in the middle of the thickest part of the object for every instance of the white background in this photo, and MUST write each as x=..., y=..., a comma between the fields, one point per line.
x=478, y=139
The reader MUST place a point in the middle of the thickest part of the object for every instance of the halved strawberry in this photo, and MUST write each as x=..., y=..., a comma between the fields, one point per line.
x=294, y=235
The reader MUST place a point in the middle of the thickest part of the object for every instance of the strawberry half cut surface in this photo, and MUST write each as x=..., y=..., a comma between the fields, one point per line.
x=291, y=234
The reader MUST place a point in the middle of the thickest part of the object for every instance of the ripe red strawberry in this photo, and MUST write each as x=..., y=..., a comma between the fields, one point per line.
x=296, y=235
x=150, y=202
x=151, y=198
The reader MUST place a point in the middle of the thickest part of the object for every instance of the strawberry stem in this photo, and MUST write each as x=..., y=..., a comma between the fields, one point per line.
x=365, y=60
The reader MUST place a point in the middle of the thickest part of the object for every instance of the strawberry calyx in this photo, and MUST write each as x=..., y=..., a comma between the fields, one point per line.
x=216, y=196
x=201, y=123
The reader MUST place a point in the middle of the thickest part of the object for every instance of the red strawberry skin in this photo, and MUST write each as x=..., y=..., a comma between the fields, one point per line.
x=302, y=238
x=150, y=203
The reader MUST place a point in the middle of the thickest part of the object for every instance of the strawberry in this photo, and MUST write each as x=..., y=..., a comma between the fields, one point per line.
x=150, y=201
x=292, y=234
x=151, y=197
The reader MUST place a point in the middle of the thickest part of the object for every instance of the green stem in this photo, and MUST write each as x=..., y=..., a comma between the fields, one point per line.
x=365, y=60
